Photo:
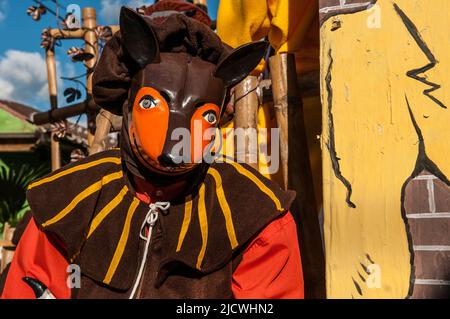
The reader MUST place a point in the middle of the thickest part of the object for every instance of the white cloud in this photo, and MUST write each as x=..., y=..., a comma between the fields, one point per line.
x=23, y=77
x=110, y=9
x=25, y=73
x=6, y=88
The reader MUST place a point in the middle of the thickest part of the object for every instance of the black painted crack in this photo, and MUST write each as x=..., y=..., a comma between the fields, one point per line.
x=366, y=270
x=327, y=16
x=415, y=74
x=357, y=286
x=423, y=162
x=331, y=145
x=361, y=277
x=370, y=259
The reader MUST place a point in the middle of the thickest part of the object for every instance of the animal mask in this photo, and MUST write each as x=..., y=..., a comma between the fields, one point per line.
x=174, y=77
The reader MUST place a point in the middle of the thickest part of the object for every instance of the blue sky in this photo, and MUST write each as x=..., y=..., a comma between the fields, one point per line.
x=23, y=74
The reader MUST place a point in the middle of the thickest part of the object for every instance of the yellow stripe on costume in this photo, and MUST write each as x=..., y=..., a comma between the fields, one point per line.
x=106, y=210
x=203, y=221
x=186, y=221
x=81, y=196
x=225, y=207
x=115, y=160
x=122, y=243
x=257, y=181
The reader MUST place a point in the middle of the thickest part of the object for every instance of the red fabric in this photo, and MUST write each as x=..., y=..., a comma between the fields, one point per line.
x=36, y=256
x=271, y=267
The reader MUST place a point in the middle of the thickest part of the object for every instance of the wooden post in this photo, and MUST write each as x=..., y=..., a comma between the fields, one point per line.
x=75, y=34
x=88, y=33
x=246, y=118
x=91, y=46
x=278, y=73
x=103, y=127
x=297, y=172
x=67, y=34
x=7, y=254
x=53, y=93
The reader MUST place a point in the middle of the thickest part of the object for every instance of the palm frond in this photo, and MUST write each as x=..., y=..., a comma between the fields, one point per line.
x=14, y=180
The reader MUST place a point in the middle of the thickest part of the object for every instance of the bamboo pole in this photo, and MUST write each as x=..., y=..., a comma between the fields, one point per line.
x=246, y=120
x=88, y=33
x=62, y=113
x=91, y=46
x=297, y=174
x=53, y=93
x=75, y=34
x=7, y=255
x=278, y=67
x=6, y=243
x=104, y=122
x=67, y=34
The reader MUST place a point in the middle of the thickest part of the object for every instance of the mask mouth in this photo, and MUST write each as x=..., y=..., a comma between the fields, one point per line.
x=166, y=164
x=171, y=170
x=170, y=164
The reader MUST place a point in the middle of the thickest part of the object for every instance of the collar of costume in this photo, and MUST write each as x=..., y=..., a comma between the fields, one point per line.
x=89, y=205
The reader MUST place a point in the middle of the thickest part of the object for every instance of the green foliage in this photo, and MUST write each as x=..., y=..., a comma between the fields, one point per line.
x=14, y=180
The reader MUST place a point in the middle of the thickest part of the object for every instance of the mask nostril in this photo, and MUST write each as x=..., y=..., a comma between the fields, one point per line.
x=167, y=160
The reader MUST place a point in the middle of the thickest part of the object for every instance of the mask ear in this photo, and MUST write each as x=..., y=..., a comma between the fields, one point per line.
x=138, y=37
x=240, y=62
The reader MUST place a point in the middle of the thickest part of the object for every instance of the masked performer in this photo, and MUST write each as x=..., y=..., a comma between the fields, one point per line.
x=142, y=221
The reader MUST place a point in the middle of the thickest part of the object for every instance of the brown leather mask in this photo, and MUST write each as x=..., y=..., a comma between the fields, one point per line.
x=181, y=102
x=176, y=96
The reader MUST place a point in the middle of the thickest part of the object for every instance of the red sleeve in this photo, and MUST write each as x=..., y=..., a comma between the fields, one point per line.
x=271, y=267
x=36, y=256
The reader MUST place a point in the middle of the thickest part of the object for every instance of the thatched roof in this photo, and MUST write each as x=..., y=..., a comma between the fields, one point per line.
x=22, y=131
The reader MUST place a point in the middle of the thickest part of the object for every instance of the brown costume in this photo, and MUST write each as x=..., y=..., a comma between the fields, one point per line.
x=94, y=234
x=92, y=206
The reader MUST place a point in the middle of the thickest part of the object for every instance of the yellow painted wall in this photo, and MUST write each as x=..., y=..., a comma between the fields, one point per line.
x=375, y=140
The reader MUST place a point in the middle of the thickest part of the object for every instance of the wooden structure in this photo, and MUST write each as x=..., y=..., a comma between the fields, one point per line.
x=88, y=33
x=19, y=136
x=7, y=247
x=16, y=134
x=246, y=102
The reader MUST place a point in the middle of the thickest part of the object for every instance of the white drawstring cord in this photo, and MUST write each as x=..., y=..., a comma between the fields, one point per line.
x=150, y=220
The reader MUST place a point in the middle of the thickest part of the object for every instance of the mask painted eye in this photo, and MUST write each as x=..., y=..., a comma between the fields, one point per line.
x=148, y=102
x=210, y=117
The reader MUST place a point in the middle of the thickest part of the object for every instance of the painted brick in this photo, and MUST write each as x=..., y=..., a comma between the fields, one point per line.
x=329, y=8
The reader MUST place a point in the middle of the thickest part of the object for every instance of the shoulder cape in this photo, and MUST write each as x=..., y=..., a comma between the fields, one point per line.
x=88, y=205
